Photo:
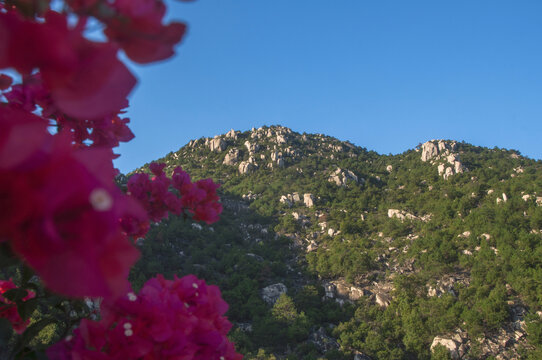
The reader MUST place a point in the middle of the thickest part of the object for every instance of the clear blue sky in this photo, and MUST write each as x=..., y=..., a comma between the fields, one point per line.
x=385, y=75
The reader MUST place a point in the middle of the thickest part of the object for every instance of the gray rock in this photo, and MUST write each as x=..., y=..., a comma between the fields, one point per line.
x=231, y=157
x=271, y=293
x=450, y=344
x=217, y=144
x=245, y=167
x=429, y=151
x=323, y=342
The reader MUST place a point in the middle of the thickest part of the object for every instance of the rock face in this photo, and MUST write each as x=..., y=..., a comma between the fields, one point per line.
x=271, y=293
x=447, y=285
x=429, y=150
x=217, y=144
x=232, y=134
x=340, y=177
x=455, y=348
x=400, y=214
x=245, y=167
x=339, y=288
x=231, y=157
x=440, y=150
x=251, y=147
x=308, y=200
x=276, y=158
x=403, y=215
x=323, y=342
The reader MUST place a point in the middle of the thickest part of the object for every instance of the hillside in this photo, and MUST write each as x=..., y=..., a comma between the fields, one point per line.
x=329, y=250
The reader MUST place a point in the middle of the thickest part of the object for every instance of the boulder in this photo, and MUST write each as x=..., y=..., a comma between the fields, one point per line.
x=271, y=293
x=308, y=200
x=450, y=344
x=252, y=148
x=245, y=167
x=402, y=215
x=429, y=151
x=340, y=177
x=232, y=134
x=323, y=342
x=217, y=144
x=285, y=200
x=281, y=139
x=231, y=157
x=382, y=299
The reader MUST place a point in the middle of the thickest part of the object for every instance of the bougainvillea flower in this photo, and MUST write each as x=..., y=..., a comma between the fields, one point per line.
x=85, y=78
x=73, y=240
x=5, y=81
x=169, y=319
x=156, y=195
x=61, y=210
x=22, y=137
x=8, y=309
x=139, y=31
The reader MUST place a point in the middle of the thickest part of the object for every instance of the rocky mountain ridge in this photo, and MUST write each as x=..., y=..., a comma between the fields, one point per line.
x=447, y=227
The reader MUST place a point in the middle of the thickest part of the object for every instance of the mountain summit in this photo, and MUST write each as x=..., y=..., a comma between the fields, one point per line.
x=328, y=250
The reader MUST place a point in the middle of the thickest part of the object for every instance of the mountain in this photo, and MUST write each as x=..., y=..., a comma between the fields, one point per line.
x=326, y=250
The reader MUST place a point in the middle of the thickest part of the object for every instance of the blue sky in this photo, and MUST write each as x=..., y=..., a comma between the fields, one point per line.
x=385, y=75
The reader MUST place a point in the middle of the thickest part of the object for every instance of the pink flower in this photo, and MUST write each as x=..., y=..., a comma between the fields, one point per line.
x=169, y=319
x=5, y=81
x=61, y=211
x=8, y=309
x=156, y=196
x=139, y=31
x=85, y=78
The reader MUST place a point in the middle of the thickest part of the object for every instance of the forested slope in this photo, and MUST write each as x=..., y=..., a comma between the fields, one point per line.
x=328, y=250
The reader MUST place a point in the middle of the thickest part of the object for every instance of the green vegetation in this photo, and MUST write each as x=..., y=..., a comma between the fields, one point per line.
x=465, y=259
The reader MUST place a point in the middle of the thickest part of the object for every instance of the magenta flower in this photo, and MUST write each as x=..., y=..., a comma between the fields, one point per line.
x=8, y=309
x=169, y=319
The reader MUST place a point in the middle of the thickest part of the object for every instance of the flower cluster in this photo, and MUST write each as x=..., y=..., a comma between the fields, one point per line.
x=168, y=319
x=199, y=198
x=61, y=213
x=59, y=208
x=8, y=309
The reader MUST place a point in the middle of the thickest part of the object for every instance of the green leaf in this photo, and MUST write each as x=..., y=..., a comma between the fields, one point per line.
x=15, y=294
x=33, y=330
x=6, y=331
x=26, y=274
x=26, y=308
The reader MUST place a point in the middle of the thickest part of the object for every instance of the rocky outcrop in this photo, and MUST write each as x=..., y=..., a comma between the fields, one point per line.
x=231, y=157
x=341, y=289
x=340, y=177
x=271, y=293
x=276, y=158
x=308, y=200
x=323, y=342
x=451, y=167
x=252, y=147
x=503, y=344
x=403, y=215
x=442, y=151
x=245, y=167
x=447, y=285
x=429, y=150
x=232, y=134
x=217, y=144
x=453, y=343
x=400, y=214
